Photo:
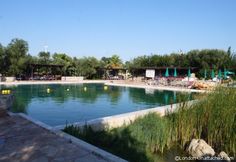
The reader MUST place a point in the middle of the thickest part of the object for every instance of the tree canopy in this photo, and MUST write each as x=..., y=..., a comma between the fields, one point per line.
x=16, y=56
x=14, y=60
x=44, y=57
x=207, y=58
x=2, y=59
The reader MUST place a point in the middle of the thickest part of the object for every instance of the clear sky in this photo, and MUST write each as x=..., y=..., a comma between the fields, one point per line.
x=128, y=28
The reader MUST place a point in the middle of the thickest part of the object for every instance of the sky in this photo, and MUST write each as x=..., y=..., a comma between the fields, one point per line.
x=128, y=28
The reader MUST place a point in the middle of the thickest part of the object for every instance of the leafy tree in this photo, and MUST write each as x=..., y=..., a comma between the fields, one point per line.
x=233, y=61
x=104, y=62
x=115, y=62
x=66, y=61
x=2, y=57
x=14, y=60
x=111, y=62
x=140, y=61
x=202, y=59
x=16, y=54
x=29, y=60
x=44, y=57
x=87, y=67
x=229, y=51
x=33, y=59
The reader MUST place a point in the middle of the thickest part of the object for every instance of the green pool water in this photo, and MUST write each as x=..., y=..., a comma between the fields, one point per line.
x=68, y=103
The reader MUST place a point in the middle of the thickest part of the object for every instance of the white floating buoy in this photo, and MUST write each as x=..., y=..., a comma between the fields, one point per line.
x=48, y=90
x=67, y=89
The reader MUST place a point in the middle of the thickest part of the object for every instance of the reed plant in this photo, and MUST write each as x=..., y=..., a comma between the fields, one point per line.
x=153, y=131
x=213, y=119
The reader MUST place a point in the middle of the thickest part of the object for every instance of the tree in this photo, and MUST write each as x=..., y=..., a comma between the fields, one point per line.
x=44, y=57
x=115, y=62
x=104, y=62
x=16, y=54
x=140, y=61
x=87, y=67
x=111, y=62
x=229, y=51
x=66, y=61
x=2, y=58
x=233, y=60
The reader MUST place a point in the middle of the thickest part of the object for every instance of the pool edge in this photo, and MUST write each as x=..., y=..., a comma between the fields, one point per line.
x=91, y=148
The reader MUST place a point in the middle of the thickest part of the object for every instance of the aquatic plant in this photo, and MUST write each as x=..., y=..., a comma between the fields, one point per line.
x=153, y=131
x=212, y=119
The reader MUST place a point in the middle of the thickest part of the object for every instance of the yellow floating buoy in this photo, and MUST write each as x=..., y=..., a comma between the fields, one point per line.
x=48, y=90
x=85, y=88
x=105, y=87
x=4, y=92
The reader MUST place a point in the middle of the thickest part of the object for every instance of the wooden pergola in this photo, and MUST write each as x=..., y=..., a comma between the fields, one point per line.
x=49, y=67
x=111, y=70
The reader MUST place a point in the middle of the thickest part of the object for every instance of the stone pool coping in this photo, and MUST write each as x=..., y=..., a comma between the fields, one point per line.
x=51, y=82
x=88, y=147
x=119, y=120
x=155, y=87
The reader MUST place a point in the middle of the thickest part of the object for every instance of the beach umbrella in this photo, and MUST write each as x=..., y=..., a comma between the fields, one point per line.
x=212, y=74
x=205, y=73
x=175, y=73
x=230, y=72
x=225, y=73
x=167, y=72
x=219, y=74
x=189, y=72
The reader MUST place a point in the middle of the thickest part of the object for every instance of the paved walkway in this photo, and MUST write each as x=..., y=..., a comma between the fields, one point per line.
x=23, y=141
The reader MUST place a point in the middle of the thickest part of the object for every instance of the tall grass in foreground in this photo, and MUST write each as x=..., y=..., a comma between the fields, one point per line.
x=137, y=141
x=213, y=119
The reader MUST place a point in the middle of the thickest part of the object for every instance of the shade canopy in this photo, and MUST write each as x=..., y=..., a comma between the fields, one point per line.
x=175, y=72
x=219, y=74
x=225, y=73
x=189, y=72
x=212, y=74
x=167, y=72
x=230, y=72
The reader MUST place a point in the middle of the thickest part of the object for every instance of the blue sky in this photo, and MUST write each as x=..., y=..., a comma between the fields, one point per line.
x=128, y=28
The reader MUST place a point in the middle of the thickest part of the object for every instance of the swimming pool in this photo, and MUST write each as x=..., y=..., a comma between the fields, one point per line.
x=57, y=104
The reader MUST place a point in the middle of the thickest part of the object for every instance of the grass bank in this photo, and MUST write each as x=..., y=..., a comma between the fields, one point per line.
x=213, y=119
